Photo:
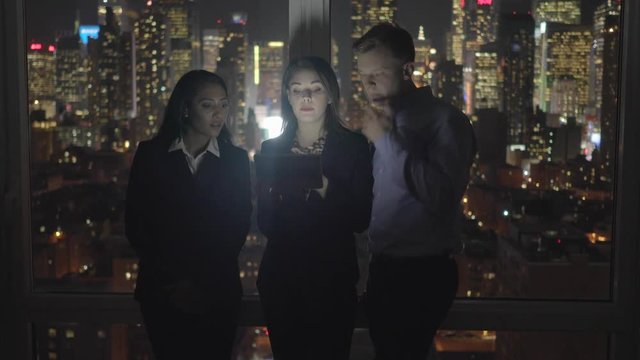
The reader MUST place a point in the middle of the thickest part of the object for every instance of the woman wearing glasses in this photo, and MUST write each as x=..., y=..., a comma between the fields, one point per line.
x=309, y=270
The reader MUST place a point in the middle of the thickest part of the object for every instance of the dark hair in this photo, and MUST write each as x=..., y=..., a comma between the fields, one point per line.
x=391, y=36
x=328, y=78
x=183, y=94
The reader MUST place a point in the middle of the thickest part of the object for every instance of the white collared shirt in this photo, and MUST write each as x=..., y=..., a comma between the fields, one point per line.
x=194, y=163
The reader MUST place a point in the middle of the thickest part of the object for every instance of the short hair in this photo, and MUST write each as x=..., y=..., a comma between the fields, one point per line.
x=391, y=36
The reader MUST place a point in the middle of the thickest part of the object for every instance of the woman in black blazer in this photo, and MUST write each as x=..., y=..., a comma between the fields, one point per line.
x=187, y=216
x=309, y=269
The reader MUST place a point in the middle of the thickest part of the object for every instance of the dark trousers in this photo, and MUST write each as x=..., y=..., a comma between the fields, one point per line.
x=306, y=324
x=407, y=299
x=175, y=335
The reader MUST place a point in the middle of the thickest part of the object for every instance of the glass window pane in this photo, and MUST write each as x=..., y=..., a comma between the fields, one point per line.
x=125, y=341
x=538, y=80
x=502, y=345
x=99, y=77
x=129, y=341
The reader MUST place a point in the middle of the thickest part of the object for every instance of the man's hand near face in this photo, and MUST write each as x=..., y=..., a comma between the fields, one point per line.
x=376, y=121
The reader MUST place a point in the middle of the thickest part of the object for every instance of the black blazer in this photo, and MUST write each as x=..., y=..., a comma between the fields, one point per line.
x=314, y=237
x=441, y=148
x=188, y=227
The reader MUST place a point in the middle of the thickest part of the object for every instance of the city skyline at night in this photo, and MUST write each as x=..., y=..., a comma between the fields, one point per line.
x=540, y=88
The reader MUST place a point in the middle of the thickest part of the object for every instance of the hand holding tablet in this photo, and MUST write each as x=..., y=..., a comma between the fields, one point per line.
x=289, y=171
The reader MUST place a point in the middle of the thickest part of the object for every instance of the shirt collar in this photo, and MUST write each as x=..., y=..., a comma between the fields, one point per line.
x=212, y=146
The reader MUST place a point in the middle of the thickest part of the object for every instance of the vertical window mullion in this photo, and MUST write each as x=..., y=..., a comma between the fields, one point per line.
x=14, y=154
x=309, y=28
x=626, y=267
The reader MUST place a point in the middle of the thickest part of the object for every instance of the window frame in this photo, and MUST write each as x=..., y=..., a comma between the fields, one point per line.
x=310, y=29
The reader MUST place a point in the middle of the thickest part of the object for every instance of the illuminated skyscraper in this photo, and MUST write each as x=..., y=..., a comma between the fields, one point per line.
x=423, y=47
x=41, y=69
x=609, y=97
x=118, y=9
x=180, y=59
x=517, y=48
x=539, y=137
x=378, y=11
x=604, y=10
x=486, y=94
x=563, y=98
x=565, y=56
x=184, y=36
x=177, y=15
x=71, y=75
x=608, y=8
x=212, y=41
x=180, y=53
x=425, y=61
x=455, y=48
x=232, y=66
x=480, y=26
x=544, y=12
x=152, y=71
x=125, y=14
x=558, y=11
x=104, y=75
x=128, y=74
x=111, y=86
